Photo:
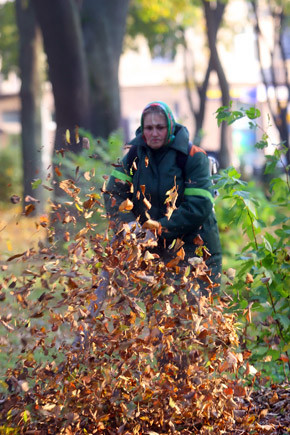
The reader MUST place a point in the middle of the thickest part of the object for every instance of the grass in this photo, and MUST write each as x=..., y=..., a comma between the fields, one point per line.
x=18, y=233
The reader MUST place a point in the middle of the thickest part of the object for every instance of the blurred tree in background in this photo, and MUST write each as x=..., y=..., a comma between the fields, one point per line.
x=32, y=75
x=83, y=41
x=275, y=73
x=164, y=26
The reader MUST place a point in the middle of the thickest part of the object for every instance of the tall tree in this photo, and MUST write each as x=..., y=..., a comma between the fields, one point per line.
x=165, y=25
x=62, y=35
x=104, y=25
x=31, y=70
x=83, y=42
x=213, y=14
x=275, y=75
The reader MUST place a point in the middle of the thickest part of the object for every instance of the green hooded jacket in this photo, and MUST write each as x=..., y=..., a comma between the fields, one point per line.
x=158, y=172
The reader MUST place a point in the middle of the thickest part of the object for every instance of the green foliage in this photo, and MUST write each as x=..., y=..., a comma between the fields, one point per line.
x=95, y=157
x=86, y=171
x=260, y=289
x=162, y=23
x=8, y=38
x=11, y=171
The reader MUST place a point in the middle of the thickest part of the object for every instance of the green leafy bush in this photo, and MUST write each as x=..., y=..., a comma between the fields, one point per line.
x=259, y=287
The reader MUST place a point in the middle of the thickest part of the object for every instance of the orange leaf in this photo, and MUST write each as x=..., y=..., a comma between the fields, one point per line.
x=126, y=205
x=229, y=391
x=57, y=171
x=174, y=262
x=224, y=366
x=249, y=278
x=181, y=254
x=147, y=203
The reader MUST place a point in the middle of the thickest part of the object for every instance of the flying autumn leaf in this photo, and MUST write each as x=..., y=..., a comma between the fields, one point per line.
x=126, y=205
x=147, y=203
x=171, y=199
x=87, y=175
x=29, y=209
x=67, y=136
x=77, y=137
x=198, y=240
x=29, y=198
x=57, y=171
x=249, y=278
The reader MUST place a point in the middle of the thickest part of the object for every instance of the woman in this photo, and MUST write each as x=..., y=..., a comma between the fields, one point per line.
x=164, y=162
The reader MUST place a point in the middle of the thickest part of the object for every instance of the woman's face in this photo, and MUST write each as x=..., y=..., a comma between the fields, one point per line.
x=155, y=130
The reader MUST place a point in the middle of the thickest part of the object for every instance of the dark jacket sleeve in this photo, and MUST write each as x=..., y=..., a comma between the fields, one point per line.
x=197, y=203
x=118, y=190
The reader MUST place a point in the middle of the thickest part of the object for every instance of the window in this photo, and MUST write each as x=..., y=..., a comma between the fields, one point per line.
x=11, y=116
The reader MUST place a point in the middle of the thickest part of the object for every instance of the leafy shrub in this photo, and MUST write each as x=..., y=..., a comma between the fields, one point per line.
x=260, y=288
x=86, y=171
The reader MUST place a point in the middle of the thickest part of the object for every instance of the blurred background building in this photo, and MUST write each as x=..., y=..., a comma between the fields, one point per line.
x=145, y=76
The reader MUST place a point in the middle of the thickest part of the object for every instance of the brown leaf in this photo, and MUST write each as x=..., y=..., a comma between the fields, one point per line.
x=284, y=358
x=147, y=203
x=263, y=413
x=274, y=398
x=87, y=175
x=151, y=225
x=29, y=209
x=249, y=278
x=16, y=256
x=57, y=171
x=239, y=391
x=198, y=240
x=126, y=205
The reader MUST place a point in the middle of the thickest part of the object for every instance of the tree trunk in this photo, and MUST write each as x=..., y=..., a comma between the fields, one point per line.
x=60, y=24
x=104, y=25
x=213, y=15
x=31, y=95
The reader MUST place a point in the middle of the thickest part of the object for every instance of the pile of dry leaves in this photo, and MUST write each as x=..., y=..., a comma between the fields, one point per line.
x=156, y=359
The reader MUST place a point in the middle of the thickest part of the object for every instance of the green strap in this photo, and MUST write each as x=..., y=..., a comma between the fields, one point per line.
x=198, y=192
x=121, y=176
